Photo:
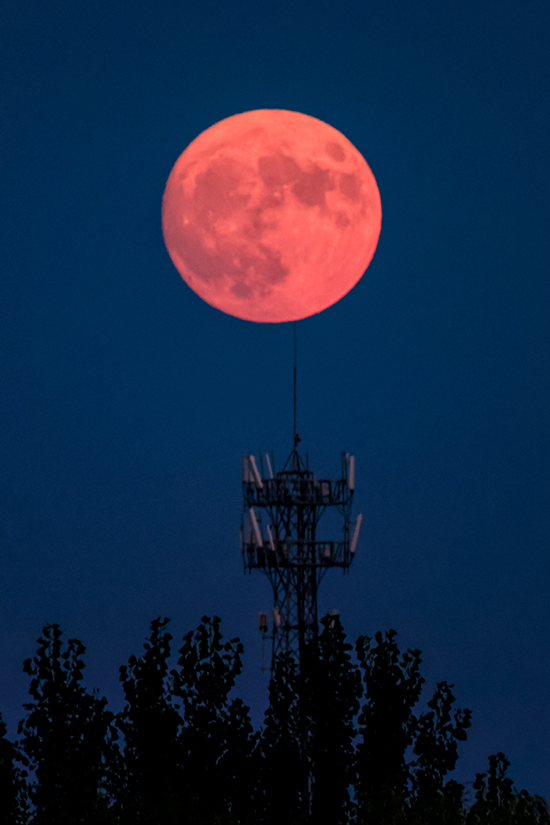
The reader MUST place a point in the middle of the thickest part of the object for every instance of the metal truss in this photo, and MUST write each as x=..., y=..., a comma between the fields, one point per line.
x=279, y=538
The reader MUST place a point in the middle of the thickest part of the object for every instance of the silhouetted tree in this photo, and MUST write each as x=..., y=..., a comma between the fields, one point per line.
x=446, y=808
x=332, y=693
x=67, y=735
x=149, y=772
x=497, y=802
x=436, y=738
x=494, y=790
x=392, y=685
x=282, y=766
x=217, y=737
x=530, y=809
x=13, y=790
x=199, y=762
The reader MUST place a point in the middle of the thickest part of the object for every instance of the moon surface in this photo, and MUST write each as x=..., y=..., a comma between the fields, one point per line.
x=271, y=215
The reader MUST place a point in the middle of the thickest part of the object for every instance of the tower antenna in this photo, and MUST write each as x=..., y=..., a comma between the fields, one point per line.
x=279, y=537
x=296, y=437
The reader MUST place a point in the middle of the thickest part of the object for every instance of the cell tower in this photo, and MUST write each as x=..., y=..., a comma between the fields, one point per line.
x=279, y=537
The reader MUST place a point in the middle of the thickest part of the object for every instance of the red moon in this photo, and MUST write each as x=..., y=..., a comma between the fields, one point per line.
x=271, y=215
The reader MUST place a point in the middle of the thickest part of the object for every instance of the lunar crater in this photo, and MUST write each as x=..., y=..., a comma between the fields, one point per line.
x=278, y=170
x=335, y=151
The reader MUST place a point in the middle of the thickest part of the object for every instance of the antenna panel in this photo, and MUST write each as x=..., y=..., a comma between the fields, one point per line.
x=245, y=469
x=351, y=472
x=356, y=533
x=257, y=477
x=256, y=528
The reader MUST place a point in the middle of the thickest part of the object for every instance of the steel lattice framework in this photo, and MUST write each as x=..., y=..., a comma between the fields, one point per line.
x=279, y=537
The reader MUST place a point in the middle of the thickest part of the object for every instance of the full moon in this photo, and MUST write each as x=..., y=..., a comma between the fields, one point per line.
x=271, y=215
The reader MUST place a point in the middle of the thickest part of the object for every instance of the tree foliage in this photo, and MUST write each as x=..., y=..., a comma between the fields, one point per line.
x=392, y=684
x=342, y=741
x=332, y=693
x=282, y=772
x=498, y=803
x=217, y=737
x=13, y=790
x=67, y=736
x=149, y=770
x=436, y=738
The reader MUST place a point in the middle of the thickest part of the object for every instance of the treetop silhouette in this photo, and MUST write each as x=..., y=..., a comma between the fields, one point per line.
x=341, y=743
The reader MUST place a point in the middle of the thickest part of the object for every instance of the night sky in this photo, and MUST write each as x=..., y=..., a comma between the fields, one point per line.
x=127, y=400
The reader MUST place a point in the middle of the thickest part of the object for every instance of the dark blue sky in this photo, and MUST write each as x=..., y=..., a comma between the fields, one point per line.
x=127, y=400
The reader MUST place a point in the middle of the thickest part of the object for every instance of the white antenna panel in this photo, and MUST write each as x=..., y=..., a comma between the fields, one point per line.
x=269, y=467
x=257, y=477
x=351, y=472
x=356, y=533
x=255, y=527
x=276, y=617
x=271, y=542
x=245, y=471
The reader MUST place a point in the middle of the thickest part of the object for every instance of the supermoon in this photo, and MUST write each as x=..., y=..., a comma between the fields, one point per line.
x=271, y=215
